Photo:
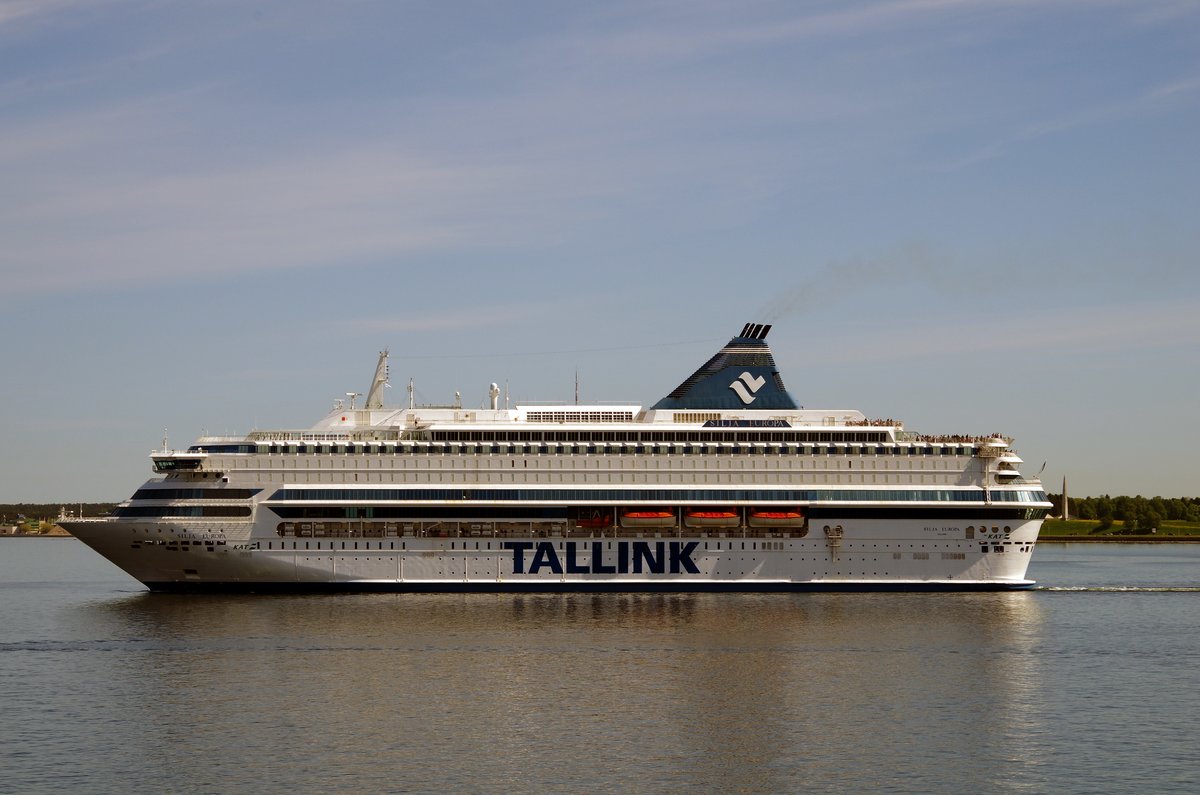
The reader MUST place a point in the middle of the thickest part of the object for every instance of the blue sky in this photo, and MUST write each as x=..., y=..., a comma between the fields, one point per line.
x=973, y=216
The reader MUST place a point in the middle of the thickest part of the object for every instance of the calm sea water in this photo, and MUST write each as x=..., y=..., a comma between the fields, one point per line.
x=1090, y=685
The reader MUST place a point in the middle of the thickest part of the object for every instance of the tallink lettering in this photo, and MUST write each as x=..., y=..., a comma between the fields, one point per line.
x=631, y=557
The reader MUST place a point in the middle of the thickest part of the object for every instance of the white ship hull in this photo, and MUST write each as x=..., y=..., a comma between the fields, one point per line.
x=873, y=555
x=725, y=484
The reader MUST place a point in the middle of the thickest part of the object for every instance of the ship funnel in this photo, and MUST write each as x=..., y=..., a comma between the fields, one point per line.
x=494, y=395
x=741, y=376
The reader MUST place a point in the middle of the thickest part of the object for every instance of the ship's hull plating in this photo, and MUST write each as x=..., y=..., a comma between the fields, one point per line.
x=873, y=556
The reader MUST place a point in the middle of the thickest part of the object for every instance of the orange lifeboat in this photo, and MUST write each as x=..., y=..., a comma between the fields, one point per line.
x=648, y=519
x=712, y=518
x=776, y=518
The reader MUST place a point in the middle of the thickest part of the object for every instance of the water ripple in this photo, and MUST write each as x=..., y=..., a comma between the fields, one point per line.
x=1119, y=589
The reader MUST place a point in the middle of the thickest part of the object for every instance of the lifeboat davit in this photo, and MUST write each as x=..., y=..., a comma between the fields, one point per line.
x=599, y=520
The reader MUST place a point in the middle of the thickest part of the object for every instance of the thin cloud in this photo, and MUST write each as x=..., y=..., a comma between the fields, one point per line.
x=133, y=193
x=442, y=321
x=1032, y=131
x=679, y=36
x=14, y=10
x=118, y=194
x=1184, y=86
x=357, y=204
x=1046, y=332
x=1087, y=117
x=15, y=14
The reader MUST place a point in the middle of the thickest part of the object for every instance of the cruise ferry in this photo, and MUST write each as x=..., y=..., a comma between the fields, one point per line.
x=724, y=484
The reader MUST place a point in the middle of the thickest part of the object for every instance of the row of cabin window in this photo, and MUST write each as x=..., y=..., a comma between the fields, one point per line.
x=600, y=437
x=697, y=496
x=651, y=437
x=603, y=449
x=182, y=511
x=195, y=494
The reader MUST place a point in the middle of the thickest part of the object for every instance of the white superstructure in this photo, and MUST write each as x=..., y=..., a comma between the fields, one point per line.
x=725, y=484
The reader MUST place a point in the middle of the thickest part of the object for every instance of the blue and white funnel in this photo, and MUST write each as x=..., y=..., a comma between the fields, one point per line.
x=741, y=376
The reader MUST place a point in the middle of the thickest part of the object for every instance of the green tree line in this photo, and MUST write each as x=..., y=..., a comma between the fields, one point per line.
x=1137, y=513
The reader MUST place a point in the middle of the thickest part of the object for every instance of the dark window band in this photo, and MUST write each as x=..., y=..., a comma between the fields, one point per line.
x=692, y=496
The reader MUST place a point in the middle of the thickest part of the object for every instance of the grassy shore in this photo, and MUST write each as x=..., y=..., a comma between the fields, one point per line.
x=1088, y=530
x=46, y=531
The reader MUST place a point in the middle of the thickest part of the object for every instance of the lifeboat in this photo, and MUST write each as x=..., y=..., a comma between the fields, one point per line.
x=776, y=518
x=712, y=518
x=648, y=519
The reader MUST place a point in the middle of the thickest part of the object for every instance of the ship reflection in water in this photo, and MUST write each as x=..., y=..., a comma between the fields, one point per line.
x=578, y=692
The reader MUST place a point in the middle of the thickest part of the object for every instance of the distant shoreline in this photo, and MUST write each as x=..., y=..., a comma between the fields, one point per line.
x=1044, y=539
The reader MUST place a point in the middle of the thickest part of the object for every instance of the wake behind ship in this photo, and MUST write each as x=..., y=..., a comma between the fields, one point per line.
x=724, y=484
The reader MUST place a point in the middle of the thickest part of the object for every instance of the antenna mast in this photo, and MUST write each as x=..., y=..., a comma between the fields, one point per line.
x=375, y=395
